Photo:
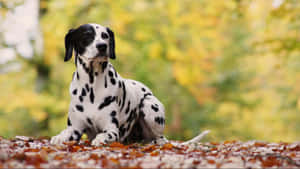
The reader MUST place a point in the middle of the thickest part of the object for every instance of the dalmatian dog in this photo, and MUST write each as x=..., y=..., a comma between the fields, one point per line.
x=104, y=105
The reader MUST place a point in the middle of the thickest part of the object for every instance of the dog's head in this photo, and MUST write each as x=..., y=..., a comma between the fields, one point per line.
x=91, y=42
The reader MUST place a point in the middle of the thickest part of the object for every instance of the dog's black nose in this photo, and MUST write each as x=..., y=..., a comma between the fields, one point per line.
x=101, y=47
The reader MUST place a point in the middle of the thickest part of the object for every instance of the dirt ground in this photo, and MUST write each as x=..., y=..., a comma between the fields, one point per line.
x=22, y=152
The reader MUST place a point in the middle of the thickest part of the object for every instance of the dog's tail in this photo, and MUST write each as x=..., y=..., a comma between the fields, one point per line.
x=196, y=139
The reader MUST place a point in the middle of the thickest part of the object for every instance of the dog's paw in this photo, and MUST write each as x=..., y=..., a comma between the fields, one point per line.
x=62, y=137
x=100, y=139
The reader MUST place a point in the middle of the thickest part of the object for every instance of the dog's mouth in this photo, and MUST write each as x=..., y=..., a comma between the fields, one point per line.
x=100, y=57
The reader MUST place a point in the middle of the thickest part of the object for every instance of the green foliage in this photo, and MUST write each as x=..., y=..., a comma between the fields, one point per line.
x=229, y=66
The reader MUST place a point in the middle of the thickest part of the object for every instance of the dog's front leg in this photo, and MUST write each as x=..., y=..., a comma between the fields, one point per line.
x=107, y=136
x=69, y=134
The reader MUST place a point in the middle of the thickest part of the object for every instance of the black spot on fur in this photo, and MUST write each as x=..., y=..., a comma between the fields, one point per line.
x=105, y=82
x=78, y=135
x=79, y=108
x=96, y=73
x=159, y=120
x=132, y=116
x=91, y=77
x=115, y=134
x=71, y=138
x=113, y=113
x=83, y=92
x=104, y=65
x=133, y=83
x=120, y=84
x=143, y=89
x=124, y=95
x=115, y=72
x=122, y=130
x=74, y=92
x=80, y=98
x=113, y=81
x=107, y=101
x=89, y=121
x=109, y=136
x=87, y=87
x=155, y=108
x=147, y=94
x=114, y=120
x=110, y=73
x=128, y=108
x=69, y=122
x=92, y=96
x=77, y=74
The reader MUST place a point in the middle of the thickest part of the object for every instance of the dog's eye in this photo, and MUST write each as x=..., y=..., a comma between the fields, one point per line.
x=104, y=35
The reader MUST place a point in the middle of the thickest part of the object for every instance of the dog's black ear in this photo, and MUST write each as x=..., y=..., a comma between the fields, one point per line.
x=69, y=44
x=112, y=53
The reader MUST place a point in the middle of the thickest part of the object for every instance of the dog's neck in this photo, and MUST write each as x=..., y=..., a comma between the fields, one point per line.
x=88, y=71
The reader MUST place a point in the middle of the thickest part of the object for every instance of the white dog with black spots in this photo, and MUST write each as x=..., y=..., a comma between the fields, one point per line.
x=104, y=105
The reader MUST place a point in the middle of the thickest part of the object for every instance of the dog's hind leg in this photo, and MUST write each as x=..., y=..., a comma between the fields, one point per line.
x=152, y=120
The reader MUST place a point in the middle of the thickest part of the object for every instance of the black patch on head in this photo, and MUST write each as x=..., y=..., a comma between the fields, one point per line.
x=74, y=92
x=78, y=39
x=69, y=122
x=143, y=89
x=92, y=96
x=79, y=108
x=120, y=84
x=105, y=82
x=83, y=37
x=89, y=121
x=155, y=108
x=107, y=101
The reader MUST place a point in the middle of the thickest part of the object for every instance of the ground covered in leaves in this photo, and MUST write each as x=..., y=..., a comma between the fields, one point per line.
x=23, y=152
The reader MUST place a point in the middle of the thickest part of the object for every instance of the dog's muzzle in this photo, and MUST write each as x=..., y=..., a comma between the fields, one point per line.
x=102, y=47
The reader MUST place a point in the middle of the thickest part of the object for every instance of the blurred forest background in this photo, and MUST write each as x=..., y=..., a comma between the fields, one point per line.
x=231, y=66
